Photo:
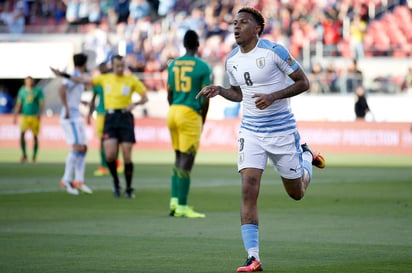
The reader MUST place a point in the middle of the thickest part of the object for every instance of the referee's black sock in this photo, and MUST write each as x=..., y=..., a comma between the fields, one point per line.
x=113, y=171
x=128, y=173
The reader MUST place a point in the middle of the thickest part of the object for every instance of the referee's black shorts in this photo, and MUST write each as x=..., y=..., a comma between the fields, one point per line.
x=119, y=124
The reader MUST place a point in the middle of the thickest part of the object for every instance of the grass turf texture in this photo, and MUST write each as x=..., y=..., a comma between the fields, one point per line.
x=356, y=217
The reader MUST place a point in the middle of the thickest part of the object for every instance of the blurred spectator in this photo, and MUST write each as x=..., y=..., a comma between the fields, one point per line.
x=407, y=82
x=6, y=101
x=313, y=21
x=122, y=11
x=97, y=41
x=152, y=65
x=28, y=6
x=59, y=12
x=354, y=77
x=135, y=57
x=72, y=15
x=106, y=5
x=134, y=62
x=165, y=6
x=4, y=17
x=84, y=11
x=318, y=79
x=108, y=14
x=285, y=21
x=297, y=24
x=332, y=30
x=95, y=12
x=213, y=24
x=138, y=9
x=361, y=104
x=34, y=13
x=196, y=21
x=362, y=8
x=154, y=6
x=15, y=18
x=112, y=19
x=318, y=18
x=332, y=78
x=357, y=33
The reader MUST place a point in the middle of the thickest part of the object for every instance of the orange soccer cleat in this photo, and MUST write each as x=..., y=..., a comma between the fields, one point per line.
x=251, y=265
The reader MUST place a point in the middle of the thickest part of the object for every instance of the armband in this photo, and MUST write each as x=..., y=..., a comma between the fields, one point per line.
x=65, y=75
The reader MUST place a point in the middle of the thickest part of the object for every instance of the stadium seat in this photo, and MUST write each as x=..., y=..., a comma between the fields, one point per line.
x=368, y=45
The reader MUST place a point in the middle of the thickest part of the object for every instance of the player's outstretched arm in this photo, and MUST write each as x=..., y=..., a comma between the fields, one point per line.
x=78, y=79
x=209, y=91
x=234, y=93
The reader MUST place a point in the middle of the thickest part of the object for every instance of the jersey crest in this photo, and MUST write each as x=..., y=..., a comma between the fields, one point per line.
x=260, y=62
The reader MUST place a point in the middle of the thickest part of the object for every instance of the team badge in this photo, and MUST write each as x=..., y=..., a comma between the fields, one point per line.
x=290, y=60
x=260, y=63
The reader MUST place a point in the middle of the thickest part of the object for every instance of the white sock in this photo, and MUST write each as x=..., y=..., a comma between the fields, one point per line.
x=69, y=167
x=80, y=167
x=253, y=251
x=307, y=163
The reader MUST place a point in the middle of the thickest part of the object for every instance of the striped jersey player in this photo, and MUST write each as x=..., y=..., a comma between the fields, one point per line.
x=263, y=75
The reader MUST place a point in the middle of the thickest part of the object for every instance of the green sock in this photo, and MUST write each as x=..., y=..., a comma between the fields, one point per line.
x=23, y=146
x=174, y=192
x=184, y=186
x=35, y=147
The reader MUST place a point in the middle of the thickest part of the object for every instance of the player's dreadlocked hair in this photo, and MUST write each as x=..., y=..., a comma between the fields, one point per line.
x=191, y=40
x=257, y=15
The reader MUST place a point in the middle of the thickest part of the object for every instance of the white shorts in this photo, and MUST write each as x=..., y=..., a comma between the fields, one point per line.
x=74, y=131
x=284, y=153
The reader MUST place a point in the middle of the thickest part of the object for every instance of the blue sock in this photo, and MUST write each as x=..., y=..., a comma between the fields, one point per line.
x=250, y=236
x=307, y=163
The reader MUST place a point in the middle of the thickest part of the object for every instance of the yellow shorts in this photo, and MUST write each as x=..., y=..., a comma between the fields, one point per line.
x=99, y=125
x=30, y=123
x=185, y=126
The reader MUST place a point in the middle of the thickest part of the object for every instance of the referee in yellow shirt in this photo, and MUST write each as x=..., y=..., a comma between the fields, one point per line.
x=119, y=121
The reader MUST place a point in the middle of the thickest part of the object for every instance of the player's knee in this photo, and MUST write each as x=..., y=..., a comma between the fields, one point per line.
x=298, y=195
x=110, y=157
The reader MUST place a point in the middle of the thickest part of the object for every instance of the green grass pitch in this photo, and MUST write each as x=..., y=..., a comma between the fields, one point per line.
x=355, y=218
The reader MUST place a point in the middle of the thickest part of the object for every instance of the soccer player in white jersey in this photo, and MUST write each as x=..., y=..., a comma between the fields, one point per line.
x=73, y=126
x=264, y=76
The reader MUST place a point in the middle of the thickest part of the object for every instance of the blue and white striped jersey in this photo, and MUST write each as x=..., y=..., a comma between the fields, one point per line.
x=73, y=96
x=264, y=70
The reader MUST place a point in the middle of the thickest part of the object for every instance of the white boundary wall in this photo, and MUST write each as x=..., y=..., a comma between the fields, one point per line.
x=388, y=108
